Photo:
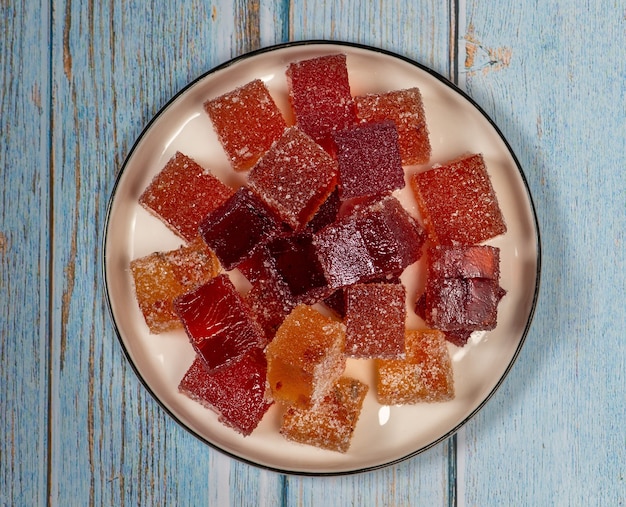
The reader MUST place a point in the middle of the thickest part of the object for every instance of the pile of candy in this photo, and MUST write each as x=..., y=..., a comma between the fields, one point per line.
x=322, y=239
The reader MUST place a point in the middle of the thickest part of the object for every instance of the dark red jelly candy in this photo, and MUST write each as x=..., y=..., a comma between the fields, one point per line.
x=458, y=203
x=247, y=122
x=326, y=214
x=236, y=392
x=294, y=177
x=182, y=194
x=237, y=227
x=294, y=257
x=319, y=92
x=369, y=160
x=218, y=322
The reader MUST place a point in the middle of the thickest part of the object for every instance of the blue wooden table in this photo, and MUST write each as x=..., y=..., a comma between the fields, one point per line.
x=78, y=82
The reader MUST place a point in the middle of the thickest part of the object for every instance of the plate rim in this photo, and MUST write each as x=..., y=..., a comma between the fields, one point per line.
x=245, y=56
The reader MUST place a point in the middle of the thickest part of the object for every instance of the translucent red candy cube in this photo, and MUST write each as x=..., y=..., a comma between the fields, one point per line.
x=162, y=276
x=406, y=109
x=375, y=320
x=182, y=194
x=372, y=241
x=330, y=423
x=239, y=226
x=319, y=92
x=424, y=375
x=369, y=160
x=462, y=290
x=218, y=322
x=294, y=177
x=235, y=392
x=458, y=203
x=247, y=122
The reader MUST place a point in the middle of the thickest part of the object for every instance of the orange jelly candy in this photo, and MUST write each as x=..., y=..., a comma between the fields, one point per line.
x=406, y=109
x=305, y=357
x=425, y=375
x=328, y=424
x=375, y=320
x=162, y=276
x=294, y=177
x=458, y=203
x=247, y=122
x=182, y=194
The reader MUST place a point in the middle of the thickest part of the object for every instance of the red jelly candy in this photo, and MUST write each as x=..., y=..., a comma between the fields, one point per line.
x=218, y=322
x=375, y=320
x=236, y=392
x=406, y=109
x=369, y=160
x=326, y=214
x=247, y=122
x=237, y=227
x=458, y=203
x=182, y=194
x=319, y=92
x=462, y=290
x=270, y=301
x=294, y=177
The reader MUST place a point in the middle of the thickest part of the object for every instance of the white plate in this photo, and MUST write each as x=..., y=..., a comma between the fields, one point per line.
x=383, y=435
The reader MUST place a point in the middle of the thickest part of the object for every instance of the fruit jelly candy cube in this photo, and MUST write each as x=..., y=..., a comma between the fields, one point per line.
x=270, y=302
x=474, y=261
x=337, y=300
x=343, y=254
x=295, y=261
x=424, y=375
x=182, y=194
x=375, y=320
x=330, y=423
x=394, y=239
x=454, y=304
x=319, y=92
x=247, y=122
x=162, y=276
x=326, y=214
x=156, y=285
x=236, y=393
x=237, y=227
x=305, y=357
x=294, y=177
x=406, y=109
x=369, y=160
x=218, y=322
x=458, y=203
x=193, y=264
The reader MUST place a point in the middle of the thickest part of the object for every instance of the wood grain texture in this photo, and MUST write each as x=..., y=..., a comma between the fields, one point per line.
x=24, y=237
x=553, y=80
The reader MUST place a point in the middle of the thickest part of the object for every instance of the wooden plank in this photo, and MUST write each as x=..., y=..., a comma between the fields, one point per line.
x=114, y=65
x=421, y=31
x=554, y=434
x=24, y=239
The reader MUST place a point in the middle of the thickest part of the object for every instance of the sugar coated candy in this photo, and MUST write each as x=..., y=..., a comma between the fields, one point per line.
x=329, y=423
x=458, y=203
x=162, y=276
x=238, y=226
x=373, y=240
x=305, y=357
x=462, y=290
x=424, y=375
x=369, y=160
x=375, y=320
x=247, y=122
x=236, y=392
x=406, y=109
x=218, y=322
x=182, y=194
x=319, y=92
x=294, y=177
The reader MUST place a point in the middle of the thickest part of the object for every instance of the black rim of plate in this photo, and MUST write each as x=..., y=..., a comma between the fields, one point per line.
x=338, y=43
